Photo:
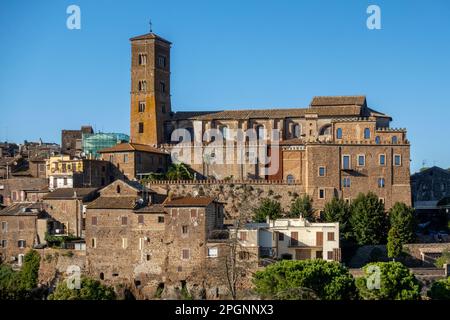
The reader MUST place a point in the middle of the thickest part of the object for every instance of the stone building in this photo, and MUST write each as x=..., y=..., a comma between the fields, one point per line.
x=67, y=207
x=71, y=141
x=133, y=161
x=22, y=226
x=338, y=146
x=22, y=190
x=429, y=187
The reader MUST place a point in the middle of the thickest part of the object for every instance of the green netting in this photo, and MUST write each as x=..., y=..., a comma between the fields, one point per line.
x=92, y=143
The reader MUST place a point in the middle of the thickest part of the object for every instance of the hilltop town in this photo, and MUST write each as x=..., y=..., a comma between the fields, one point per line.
x=207, y=205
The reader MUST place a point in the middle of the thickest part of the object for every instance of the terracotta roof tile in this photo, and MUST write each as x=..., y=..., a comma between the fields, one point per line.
x=127, y=146
x=112, y=202
x=328, y=101
x=150, y=36
x=189, y=202
x=70, y=193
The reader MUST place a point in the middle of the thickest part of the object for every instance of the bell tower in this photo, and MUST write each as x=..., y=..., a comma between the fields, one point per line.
x=150, y=88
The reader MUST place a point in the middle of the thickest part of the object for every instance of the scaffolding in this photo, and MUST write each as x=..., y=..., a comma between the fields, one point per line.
x=93, y=142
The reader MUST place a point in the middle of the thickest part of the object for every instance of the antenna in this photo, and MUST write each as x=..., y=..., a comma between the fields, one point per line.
x=151, y=24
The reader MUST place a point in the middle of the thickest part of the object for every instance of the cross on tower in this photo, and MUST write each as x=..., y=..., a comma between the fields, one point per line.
x=150, y=23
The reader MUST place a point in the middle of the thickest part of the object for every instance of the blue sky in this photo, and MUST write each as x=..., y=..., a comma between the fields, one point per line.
x=227, y=54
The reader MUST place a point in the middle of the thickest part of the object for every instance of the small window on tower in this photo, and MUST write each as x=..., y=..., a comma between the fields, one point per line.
x=161, y=61
x=142, y=59
x=141, y=127
x=162, y=87
x=141, y=107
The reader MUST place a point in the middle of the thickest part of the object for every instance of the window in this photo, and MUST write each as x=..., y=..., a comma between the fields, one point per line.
x=322, y=171
x=141, y=127
x=193, y=213
x=346, y=182
x=290, y=179
x=260, y=132
x=21, y=244
x=339, y=133
x=141, y=106
x=142, y=59
x=244, y=255
x=148, y=257
x=297, y=131
x=15, y=196
x=65, y=181
x=212, y=252
x=124, y=221
x=397, y=160
x=124, y=243
x=243, y=236
x=160, y=219
x=94, y=221
x=161, y=61
x=382, y=159
x=377, y=140
x=142, y=85
x=394, y=140
x=381, y=200
x=381, y=183
x=184, y=229
x=330, y=255
x=163, y=107
x=361, y=160
x=21, y=226
x=346, y=162
x=162, y=87
x=4, y=226
x=280, y=236
x=185, y=254
x=321, y=193
x=4, y=243
x=93, y=243
x=347, y=200
x=141, y=219
x=330, y=236
x=319, y=254
x=125, y=158
x=366, y=133
x=294, y=238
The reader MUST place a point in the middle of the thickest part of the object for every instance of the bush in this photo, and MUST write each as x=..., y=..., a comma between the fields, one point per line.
x=90, y=290
x=305, y=279
x=440, y=290
x=443, y=259
x=395, y=280
x=395, y=244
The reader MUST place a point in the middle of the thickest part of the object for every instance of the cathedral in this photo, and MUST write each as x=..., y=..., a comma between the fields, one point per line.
x=337, y=146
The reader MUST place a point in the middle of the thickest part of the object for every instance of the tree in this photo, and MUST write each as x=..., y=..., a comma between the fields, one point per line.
x=443, y=259
x=305, y=279
x=337, y=210
x=402, y=218
x=29, y=273
x=395, y=282
x=368, y=220
x=302, y=207
x=395, y=243
x=268, y=208
x=90, y=290
x=179, y=171
x=440, y=290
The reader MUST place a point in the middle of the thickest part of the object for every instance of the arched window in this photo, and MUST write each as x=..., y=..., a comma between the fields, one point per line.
x=297, y=131
x=366, y=133
x=290, y=179
x=394, y=140
x=118, y=189
x=325, y=130
x=377, y=140
x=339, y=133
x=102, y=276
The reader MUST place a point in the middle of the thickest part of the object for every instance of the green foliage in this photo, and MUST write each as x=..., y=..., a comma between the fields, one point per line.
x=402, y=218
x=440, y=290
x=90, y=290
x=396, y=283
x=59, y=241
x=305, y=279
x=337, y=210
x=443, y=259
x=395, y=243
x=179, y=171
x=302, y=207
x=268, y=208
x=17, y=285
x=368, y=220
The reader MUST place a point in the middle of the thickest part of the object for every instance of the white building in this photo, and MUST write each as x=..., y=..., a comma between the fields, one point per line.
x=295, y=239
